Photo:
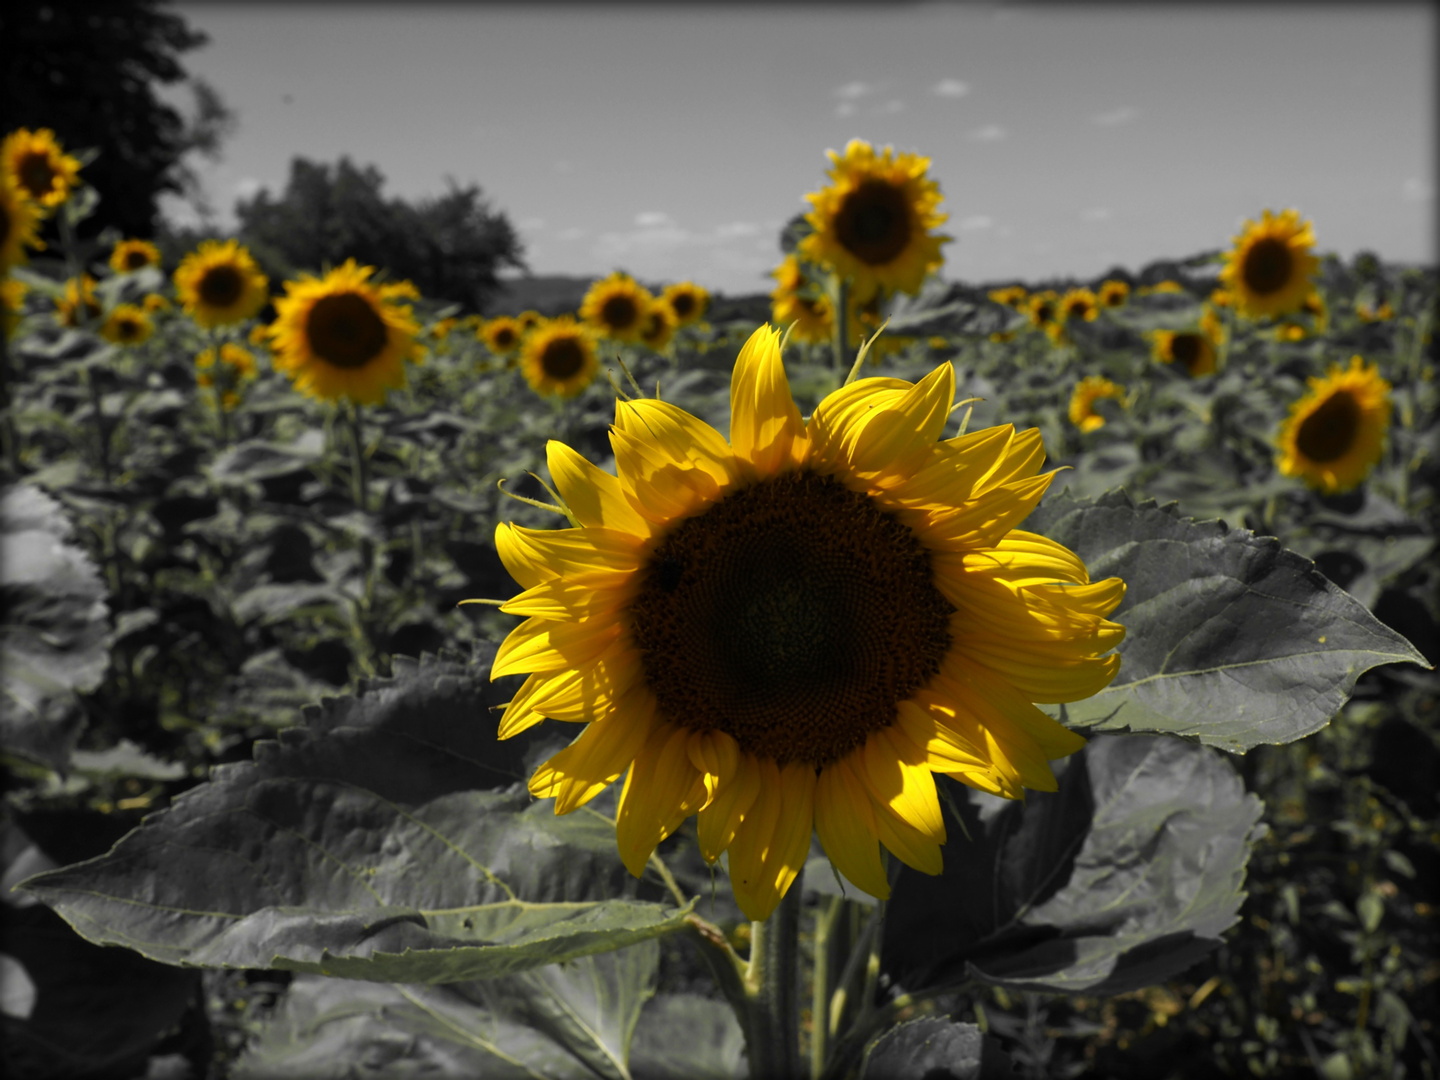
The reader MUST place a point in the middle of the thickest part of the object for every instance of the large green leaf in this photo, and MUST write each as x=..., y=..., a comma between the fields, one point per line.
x=53, y=635
x=571, y=1021
x=386, y=839
x=935, y=1048
x=1229, y=637
x=688, y=1037
x=1123, y=877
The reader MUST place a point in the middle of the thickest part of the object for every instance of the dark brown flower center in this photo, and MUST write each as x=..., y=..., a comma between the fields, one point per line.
x=563, y=358
x=683, y=304
x=503, y=337
x=1267, y=266
x=1077, y=309
x=136, y=260
x=1186, y=349
x=344, y=329
x=1329, y=432
x=794, y=615
x=220, y=286
x=619, y=312
x=36, y=175
x=127, y=328
x=1044, y=313
x=874, y=222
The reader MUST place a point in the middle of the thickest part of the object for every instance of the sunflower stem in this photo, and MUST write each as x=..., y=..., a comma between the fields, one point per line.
x=359, y=480
x=829, y=943
x=772, y=984
x=838, y=320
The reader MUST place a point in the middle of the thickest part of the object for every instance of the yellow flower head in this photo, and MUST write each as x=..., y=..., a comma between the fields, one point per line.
x=1043, y=308
x=795, y=301
x=1113, y=294
x=236, y=363
x=687, y=301
x=1269, y=269
x=78, y=306
x=19, y=223
x=12, y=304
x=1335, y=434
x=558, y=358
x=659, y=326
x=127, y=324
x=615, y=307
x=1082, y=402
x=1318, y=310
x=872, y=224
x=791, y=632
x=154, y=302
x=528, y=320
x=501, y=335
x=219, y=284
x=1080, y=305
x=1368, y=314
x=1222, y=298
x=40, y=166
x=343, y=336
x=132, y=255
x=1012, y=296
x=1194, y=350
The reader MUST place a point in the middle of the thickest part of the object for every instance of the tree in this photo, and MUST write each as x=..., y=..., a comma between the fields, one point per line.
x=451, y=247
x=88, y=70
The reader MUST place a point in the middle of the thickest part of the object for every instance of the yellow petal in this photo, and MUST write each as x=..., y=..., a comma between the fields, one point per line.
x=570, y=601
x=893, y=436
x=840, y=417
x=764, y=864
x=591, y=691
x=954, y=468
x=520, y=714
x=716, y=755
x=598, y=756
x=765, y=424
x=908, y=844
x=894, y=772
x=545, y=645
x=591, y=555
x=1022, y=459
x=685, y=439
x=845, y=823
x=982, y=523
x=661, y=790
x=734, y=796
x=596, y=498
x=663, y=489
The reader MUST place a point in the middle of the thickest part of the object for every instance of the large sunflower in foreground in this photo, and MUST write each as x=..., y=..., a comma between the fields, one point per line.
x=872, y=224
x=792, y=631
x=343, y=336
x=219, y=284
x=1335, y=434
x=19, y=223
x=615, y=307
x=1269, y=270
x=40, y=166
x=558, y=358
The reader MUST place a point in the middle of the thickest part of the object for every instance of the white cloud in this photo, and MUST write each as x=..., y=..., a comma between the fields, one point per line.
x=950, y=88
x=989, y=133
x=1115, y=117
x=247, y=187
x=1096, y=213
x=1417, y=190
x=846, y=108
x=651, y=219
x=852, y=90
x=974, y=223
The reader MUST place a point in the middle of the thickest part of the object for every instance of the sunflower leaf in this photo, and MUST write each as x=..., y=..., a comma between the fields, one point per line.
x=935, y=1048
x=1124, y=877
x=386, y=839
x=1230, y=638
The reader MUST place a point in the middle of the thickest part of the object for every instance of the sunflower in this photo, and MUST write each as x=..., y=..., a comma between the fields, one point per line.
x=1222, y=298
x=558, y=358
x=132, y=255
x=1269, y=269
x=343, y=336
x=1082, y=402
x=1043, y=309
x=154, y=302
x=1368, y=314
x=794, y=630
x=1079, y=305
x=1012, y=296
x=1318, y=310
x=77, y=305
x=40, y=166
x=659, y=326
x=127, y=324
x=872, y=224
x=12, y=304
x=615, y=307
x=528, y=320
x=219, y=284
x=501, y=335
x=19, y=222
x=1113, y=294
x=687, y=301
x=795, y=301
x=1194, y=350
x=1335, y=434
x=236, y=368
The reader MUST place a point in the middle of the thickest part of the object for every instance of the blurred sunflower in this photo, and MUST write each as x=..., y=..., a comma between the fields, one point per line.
x=219, y=284
x=687, y=301
x=1368, y=314
x=1291, y=331
x=1194, y=350
x=236, y=368
x=1079, y=305
x=1012, y=296
x=1043, y=308
x=78, y=306
x=154, y=302
x=1089, y=390
x=1164, y=287
x=12, y=304
x=872, y=224
x=791, y=632
x=615, y=307
x=127, y=324
x=558, y=358
x=658, y=326
x=501, y=335
x=1222, y=298
x=795, y=300
x=1269, y=269
x=1335, y=434
x=528, y=320
x=40, y=166
x=1318, y=310
x=132, y=255
x=1114, y=294
x=343, y=336
x=19, y=223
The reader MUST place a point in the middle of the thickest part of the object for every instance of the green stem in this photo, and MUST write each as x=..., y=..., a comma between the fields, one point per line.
x=772, y=1018
x=102, y=435
x=829, y=943
x=841, y=299
x=360, y=481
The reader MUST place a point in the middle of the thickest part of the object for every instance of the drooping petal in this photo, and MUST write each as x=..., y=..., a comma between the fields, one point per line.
x=662, y=789
x=896, y=775
x=765, y=862
x=597, y=757
x=591, y=691
x=734, y=796
x=845, y=823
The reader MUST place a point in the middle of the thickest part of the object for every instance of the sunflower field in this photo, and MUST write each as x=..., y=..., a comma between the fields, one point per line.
x=1027, y=679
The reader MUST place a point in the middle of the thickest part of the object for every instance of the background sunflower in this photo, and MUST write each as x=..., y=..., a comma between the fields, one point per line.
x=1089, y=390
x=558, y=358
x=1335, y=434
x=219, y=284
x=40, y=166
x=1269, y=270
x=132, y=255
x=615, y=307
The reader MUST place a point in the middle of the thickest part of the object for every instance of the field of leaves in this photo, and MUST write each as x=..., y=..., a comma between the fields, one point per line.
x=223, y=599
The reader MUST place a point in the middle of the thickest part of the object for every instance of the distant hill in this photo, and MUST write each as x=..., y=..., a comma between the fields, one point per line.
x=560, y=294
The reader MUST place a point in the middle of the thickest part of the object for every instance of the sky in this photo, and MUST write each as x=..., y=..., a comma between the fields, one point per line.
x=674, y=141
